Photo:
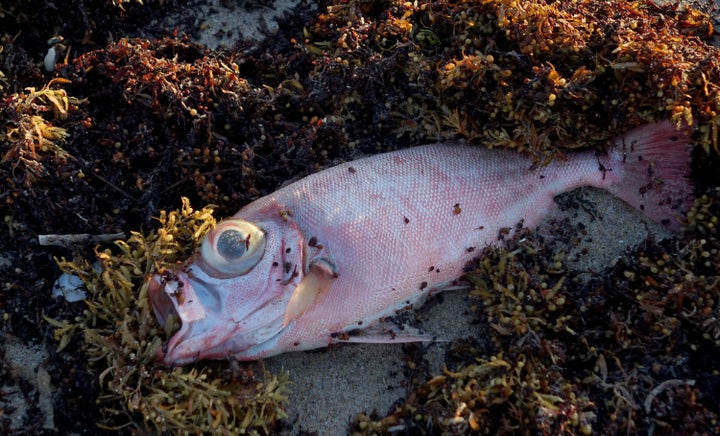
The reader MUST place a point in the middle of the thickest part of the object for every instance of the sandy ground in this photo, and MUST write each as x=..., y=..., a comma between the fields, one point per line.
x=331, y=386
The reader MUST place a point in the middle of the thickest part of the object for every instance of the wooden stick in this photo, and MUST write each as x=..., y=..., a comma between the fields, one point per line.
x=78, y=239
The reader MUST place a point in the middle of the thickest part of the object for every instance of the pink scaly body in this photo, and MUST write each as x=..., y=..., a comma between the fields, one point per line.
x=373, y=235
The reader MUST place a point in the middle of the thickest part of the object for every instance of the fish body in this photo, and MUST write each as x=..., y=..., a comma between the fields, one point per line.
x=345, y=247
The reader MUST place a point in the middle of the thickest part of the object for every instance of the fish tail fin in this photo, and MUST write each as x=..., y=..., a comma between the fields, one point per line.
x=655, y=161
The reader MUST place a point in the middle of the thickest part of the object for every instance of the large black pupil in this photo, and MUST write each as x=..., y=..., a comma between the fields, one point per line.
x=231, y=244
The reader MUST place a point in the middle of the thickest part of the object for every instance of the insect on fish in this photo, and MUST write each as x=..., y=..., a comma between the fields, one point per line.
x=347, y=246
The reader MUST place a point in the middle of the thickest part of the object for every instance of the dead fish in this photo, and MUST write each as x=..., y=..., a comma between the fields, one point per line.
x=346, y=247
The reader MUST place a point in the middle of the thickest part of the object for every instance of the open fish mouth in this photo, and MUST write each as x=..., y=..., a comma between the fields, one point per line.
x=189, y=312
x=177, y=295
x=162, y=305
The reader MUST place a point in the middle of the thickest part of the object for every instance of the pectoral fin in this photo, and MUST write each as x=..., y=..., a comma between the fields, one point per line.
x=317, y=281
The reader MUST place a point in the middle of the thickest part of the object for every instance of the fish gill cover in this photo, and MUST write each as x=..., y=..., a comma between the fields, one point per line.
x=129, y=124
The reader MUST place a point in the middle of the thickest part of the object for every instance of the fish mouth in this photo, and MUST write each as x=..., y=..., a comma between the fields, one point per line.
x=161, y=303
x=175, y=295
x=189, y=312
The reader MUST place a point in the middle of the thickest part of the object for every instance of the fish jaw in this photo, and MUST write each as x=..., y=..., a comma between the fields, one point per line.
x=226, y=316
x=197, y=309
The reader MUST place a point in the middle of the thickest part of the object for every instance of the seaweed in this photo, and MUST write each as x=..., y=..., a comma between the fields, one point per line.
x=531, y=75
x=29, y=135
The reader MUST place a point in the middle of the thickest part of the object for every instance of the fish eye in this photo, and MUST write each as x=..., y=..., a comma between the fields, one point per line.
x=233, y=247
x=232, y=244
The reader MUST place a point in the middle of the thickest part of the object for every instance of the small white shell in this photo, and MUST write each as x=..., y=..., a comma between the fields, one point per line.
x=70, y=287
x=49, y=60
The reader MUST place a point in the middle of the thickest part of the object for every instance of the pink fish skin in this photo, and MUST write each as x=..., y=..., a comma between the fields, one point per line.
x=345, y=247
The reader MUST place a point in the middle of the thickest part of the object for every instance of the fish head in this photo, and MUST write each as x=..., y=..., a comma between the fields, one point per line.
x=231, y=296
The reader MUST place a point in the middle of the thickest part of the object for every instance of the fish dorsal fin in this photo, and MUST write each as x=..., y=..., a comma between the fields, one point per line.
x=317, y=281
